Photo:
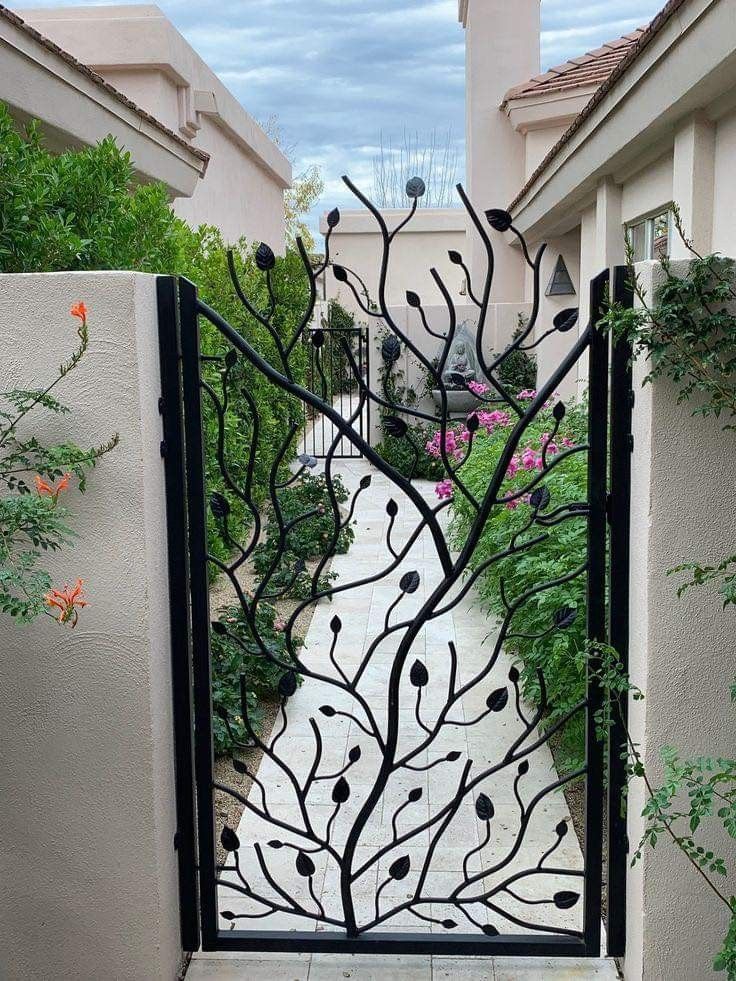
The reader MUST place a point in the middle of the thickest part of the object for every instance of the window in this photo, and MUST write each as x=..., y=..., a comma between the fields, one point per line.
x=650, y=238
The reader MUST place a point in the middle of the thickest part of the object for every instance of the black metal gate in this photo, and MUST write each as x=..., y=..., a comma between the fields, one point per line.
x=331, y=377
x=344, y=855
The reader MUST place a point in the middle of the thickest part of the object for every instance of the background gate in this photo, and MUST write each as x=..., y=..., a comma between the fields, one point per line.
x=346, y=854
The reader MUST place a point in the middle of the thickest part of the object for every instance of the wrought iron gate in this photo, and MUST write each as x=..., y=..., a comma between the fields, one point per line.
x=330, y=376
x=376, y=823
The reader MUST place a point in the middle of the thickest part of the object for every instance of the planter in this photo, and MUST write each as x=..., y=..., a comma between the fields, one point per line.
x=458, y=402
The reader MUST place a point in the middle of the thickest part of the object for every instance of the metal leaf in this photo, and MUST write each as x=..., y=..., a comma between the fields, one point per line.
x=415, y=795
x=318, y=338
x=333, y=218
x=218, y=627
x=413, y=299
x=287, y=684
x=562, y=829
x=219, y=506
x=559, y=411
x=539, y=498
x=328, y=711
x=566, y=320
x=410, y=582
x=455, y=257
x=394, y=426
x=566, y=900
x=565, y=617
x=499, y=219
x=473, y=423
x=366, y=482
x=523, y=768
x=401, y=868
x=453, y=756
x=231, y=358
x=391, y=349
x=265, y=259
x=449, y=924
x=490, y=931
x=419, y=676
x=392, y=508
x=275, y=843
x=304, y=865
x=355, y=753
x=498, y=700
x=336, y=625
x=514, y=676
x=227, y=914
x=340, y=274
x=341, y=791
x=229, y=840
x=484, y=807
x=415, y=188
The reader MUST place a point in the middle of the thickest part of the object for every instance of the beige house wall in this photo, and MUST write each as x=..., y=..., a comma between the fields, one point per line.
x=356, y=243
x=139, y=51
x=87, y=858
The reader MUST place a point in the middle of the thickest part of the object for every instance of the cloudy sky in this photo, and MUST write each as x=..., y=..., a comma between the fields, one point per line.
x=339, y=75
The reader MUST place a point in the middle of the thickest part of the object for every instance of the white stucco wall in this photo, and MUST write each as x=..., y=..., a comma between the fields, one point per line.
x=86, y=852
x=724, y=195
x=648, y=190
x=681, y=656
x=356, y=243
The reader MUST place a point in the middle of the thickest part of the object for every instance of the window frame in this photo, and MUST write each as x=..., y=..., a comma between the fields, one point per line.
x=648, y=220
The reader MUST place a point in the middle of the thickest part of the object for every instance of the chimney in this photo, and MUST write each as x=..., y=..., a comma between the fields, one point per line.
x=502, y=39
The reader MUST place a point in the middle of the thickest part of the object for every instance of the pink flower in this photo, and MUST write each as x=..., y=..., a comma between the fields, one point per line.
x=551, y=446
x=513, y=505
x=513, y=467
x=567, y=442
x=279, y=625
x=477, y=388
x=444, y=490
x=493, y=420
x=434, y=446
x=527, y=395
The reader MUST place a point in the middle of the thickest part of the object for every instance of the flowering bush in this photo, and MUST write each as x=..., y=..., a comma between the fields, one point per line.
x=31, y=519
x=561, y=654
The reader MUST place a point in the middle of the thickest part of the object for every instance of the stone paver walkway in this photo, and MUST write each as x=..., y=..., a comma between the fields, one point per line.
x=401, y=826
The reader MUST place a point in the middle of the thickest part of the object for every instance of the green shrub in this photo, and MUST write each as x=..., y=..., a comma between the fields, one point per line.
x=79, y=209
x=560, y=654
x=308, y=539
x=518, y=372
x=398, y=452
x=236, y=652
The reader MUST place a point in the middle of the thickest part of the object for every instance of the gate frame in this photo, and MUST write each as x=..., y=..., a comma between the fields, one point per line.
x=183, y=452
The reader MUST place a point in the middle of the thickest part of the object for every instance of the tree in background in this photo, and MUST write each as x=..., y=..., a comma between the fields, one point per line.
x=435, y=159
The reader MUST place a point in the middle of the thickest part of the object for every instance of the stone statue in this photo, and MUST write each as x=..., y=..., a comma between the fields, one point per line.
x=461, y=361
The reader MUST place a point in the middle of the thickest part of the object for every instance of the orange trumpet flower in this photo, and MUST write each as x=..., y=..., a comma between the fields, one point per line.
x=67, y=601
x=79, y=310
x=45, y=489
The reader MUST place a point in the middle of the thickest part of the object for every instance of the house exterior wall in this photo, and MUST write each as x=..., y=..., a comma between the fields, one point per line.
x=139, y=51
x=356, y=243
x=724, y=193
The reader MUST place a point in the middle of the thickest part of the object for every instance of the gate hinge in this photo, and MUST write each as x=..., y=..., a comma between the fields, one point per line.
x=177, y=840
x=161, y=406
x=163, y=447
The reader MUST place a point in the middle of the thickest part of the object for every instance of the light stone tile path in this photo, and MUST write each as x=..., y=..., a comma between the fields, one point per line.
x=362, y=613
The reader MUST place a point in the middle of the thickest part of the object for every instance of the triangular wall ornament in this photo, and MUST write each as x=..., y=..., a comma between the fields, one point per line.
x=561, y=283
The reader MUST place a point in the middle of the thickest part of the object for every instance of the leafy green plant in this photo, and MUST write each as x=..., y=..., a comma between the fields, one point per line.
x=305, y=506
x=31, y=520
x=79, y=209
x=559, y=654
x=258, y=656
x=518, y=371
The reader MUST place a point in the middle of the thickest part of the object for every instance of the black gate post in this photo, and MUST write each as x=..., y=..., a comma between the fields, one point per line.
x=172, y=450
x=622, y=403
x=596, y=604
x=200, y=606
